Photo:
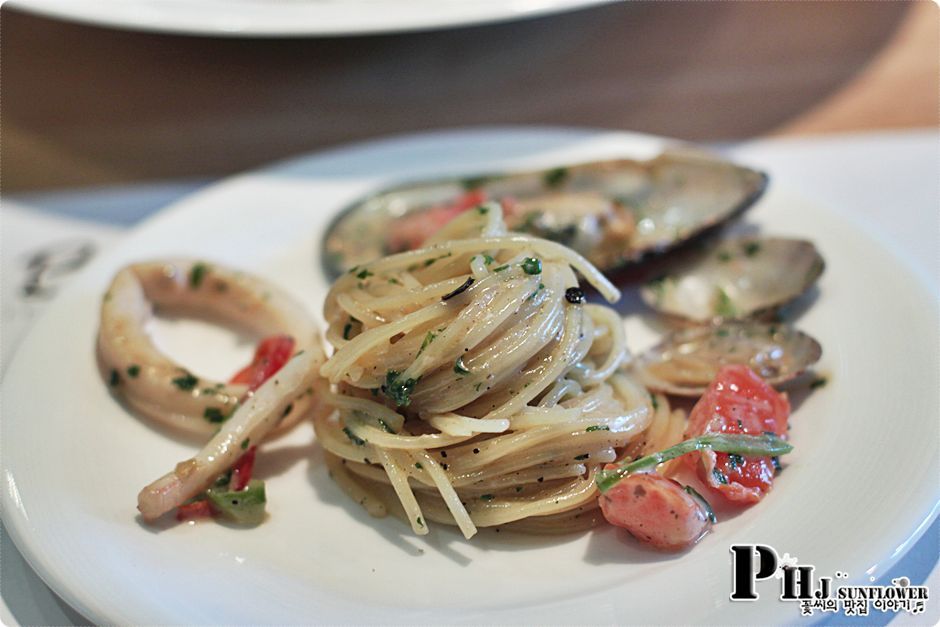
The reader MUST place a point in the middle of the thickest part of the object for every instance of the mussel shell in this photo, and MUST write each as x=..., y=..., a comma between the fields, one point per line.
x=739, y=279
x=686, y=361
x=614, y=212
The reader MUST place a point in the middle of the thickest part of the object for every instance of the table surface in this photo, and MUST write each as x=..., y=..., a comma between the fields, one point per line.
x=84, y=105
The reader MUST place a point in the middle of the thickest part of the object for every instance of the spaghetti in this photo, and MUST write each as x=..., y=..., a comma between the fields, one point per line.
x=474, y=386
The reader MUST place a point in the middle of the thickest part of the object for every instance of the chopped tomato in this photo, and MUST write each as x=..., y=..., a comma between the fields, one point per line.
x=656, y=510
x=241, y=471
x=737, y=401
x=196, y=509
x=272, y=353
x=410, y=231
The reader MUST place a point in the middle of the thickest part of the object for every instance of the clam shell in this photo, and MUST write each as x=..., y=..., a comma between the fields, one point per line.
x=686, y=361
x=613, y=212
x=741, y=278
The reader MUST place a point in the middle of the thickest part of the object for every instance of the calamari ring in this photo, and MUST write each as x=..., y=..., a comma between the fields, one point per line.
x=156, y=386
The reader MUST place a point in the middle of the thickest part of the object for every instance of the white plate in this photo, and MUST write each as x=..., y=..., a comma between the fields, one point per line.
x=284, y=18
x=858, y=490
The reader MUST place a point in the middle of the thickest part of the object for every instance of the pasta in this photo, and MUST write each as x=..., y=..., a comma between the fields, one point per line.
x=474, y=386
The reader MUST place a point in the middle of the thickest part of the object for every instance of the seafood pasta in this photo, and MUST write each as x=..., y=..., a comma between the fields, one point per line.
x=473, y=383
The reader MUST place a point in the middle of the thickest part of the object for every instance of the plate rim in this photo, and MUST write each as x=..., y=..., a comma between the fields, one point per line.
x=287, y=24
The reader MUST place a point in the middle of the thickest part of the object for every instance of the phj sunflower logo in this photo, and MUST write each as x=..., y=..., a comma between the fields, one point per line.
x=751, y=563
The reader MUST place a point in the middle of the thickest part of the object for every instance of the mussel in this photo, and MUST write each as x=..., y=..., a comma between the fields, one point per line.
x=686, y=361
x=614, y=212
x=740, y=278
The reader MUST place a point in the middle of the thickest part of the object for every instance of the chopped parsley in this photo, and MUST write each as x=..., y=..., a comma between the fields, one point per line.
x=530, y=221
x=487, y=260
x=355, y=439
x=428, y=262
x=487, y=497
x=459, y=366
x=245, y=443
x=419, y=521
x=196, y=275
x=501, y=268
x=474, y=182
x=709, y=512
x=735, y=461
x=653, y=400
x=818, y=382
x=751, y=248
x=348, y=328
x=719, y=476
x=363, y=274
x=724, y=256
x=385, y=426
x=214, y=414
x=722, y=332
x=554, y=178
x=483, y=210
x=397, y=390
x=580, y=458
x=537, y=290
x=427, y=341
x=724, y=307
x=532, y=265
x=115, y=378
x=133, y=371
x=597, y=428
x=419, y=466
x=658, y=286
x=187, y=382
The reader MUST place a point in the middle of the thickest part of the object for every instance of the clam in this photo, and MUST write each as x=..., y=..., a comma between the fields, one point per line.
x=614, y=212
x=686, y=361
x=742, y=278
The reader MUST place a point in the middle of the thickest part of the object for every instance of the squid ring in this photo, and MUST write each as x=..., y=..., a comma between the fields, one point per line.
x=158, y=387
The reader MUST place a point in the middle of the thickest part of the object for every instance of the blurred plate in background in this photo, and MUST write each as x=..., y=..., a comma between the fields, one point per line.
x=285, y=18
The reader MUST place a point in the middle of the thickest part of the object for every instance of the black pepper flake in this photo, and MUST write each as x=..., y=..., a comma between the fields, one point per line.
x=476, y=451
x=443, y=453
x=133, y=371
x=540, y=479
x=444, y=466
x=574, y=295
x=287, y=410
x=462, y=288
x=115, y=378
